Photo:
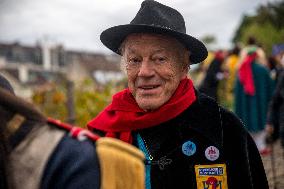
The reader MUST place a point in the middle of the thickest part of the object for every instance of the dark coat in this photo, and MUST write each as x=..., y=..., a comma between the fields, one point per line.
x=61, y=170
x=205, y=124
x=276, y=108
x=209, y=85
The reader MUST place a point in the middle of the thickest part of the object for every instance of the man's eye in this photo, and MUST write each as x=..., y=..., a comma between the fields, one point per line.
x=161, y=59
x=134, y=60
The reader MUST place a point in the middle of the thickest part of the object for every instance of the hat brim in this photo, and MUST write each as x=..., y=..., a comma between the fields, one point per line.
x=114, y=36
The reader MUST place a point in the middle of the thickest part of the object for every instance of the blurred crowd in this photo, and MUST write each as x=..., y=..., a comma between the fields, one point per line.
x=249, y=82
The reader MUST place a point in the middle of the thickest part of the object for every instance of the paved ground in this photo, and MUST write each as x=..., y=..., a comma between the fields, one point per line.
x=278, y=157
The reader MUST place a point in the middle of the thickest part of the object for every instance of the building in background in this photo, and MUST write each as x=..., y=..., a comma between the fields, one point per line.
x=29, y=67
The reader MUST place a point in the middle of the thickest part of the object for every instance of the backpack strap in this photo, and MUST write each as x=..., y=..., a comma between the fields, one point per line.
x=74, y=131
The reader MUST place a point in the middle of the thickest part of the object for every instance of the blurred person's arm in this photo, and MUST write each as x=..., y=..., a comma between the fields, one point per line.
x=275, y=103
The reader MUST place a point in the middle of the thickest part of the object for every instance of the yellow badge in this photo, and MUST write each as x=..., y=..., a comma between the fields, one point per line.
x=211, y=176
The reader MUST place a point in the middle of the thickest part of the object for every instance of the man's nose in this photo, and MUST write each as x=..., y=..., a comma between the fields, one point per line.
x=146, y=69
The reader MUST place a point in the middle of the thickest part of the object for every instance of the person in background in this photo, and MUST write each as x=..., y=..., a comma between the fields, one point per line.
x=275, y=116
x=253, y=92
x=214, y=74
x=188, y=139
x=230, y=67
x=252, y=45
x=39, y=152
x=278, y=60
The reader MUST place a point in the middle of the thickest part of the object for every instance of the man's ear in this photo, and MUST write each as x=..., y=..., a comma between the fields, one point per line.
x=186, y=64
x=184, y=72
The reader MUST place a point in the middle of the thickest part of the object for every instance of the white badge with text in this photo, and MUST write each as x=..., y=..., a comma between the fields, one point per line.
x=212, y=153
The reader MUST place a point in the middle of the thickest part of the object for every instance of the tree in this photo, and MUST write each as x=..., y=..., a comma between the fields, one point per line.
x=209, y=39
x=89, y=100
x=267, y=26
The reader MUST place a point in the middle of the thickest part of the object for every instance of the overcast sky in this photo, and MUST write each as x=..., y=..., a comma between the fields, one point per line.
x=77, y=24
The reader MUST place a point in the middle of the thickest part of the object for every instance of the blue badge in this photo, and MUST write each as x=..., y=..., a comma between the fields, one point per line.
x=188, y=148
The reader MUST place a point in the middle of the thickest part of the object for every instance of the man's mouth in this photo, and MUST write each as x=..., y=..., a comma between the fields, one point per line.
x=148, y=87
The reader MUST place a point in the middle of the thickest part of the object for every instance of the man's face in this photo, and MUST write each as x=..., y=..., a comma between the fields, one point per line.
x=155, y=66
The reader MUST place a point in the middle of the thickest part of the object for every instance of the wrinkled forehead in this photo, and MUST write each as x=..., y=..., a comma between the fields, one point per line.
x=139, y=41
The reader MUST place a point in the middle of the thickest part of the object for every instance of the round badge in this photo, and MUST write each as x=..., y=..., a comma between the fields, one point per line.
x=188, y=148
x=212, y=153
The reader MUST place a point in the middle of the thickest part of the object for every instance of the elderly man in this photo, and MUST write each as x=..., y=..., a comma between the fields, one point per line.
x=188, y=139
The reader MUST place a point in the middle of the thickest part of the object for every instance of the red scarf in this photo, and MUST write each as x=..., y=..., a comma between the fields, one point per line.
x=246, y=76
x=123, y=115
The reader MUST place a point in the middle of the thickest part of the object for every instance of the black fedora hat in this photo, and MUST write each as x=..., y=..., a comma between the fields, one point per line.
x=154, y=17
